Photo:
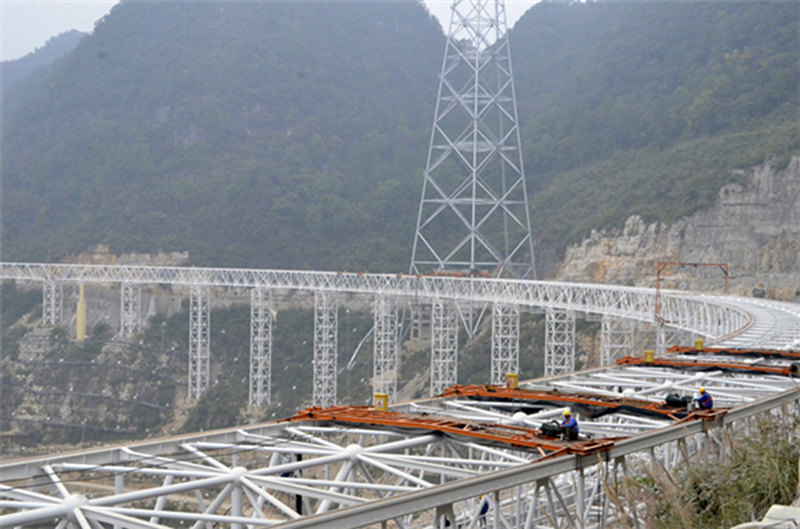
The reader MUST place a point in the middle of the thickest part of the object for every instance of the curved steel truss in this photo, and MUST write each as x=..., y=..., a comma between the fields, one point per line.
x=711, y=316
x=723, y=320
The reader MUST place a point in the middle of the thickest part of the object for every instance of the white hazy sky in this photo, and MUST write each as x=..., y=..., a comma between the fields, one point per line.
x=27, y=24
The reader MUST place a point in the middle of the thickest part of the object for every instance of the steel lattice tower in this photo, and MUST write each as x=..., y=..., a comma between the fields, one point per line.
x=199, y=340
x=326, y=330
x=474, y=214
x=505, y=342
x=617, y=339
x=261, y=318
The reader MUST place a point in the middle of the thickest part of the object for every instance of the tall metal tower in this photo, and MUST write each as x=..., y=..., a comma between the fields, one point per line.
x=474, y=214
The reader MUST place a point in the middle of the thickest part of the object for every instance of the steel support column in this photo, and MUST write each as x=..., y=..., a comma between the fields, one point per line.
x=505, y=341
x=444, y=346
x=52, y=303
x=130, y=311
x=326, y=326
x=667, y=336
x=616, y=339
x=559, y=348
x=419, y=325
x=386, y=361
x=261, y=316
x=199, y=353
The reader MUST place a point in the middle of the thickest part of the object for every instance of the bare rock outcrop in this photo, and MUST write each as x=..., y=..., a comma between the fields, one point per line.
x=754, y=227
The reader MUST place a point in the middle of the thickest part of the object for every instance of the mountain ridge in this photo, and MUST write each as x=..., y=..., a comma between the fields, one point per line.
x=294, y=136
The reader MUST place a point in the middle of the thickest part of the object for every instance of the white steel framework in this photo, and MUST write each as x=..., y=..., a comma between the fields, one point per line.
x=737, y=320
x=505, y=341
x=322, y=474
x=261, y=316
x=667, y=336
x=130, y=312
x=419, y=319
x=444, y=346
x=52, y=303
x=386, y=361
x=326, y=326
x=559, y=342
x=617, y=337
x=199, y=340
x=473, y=213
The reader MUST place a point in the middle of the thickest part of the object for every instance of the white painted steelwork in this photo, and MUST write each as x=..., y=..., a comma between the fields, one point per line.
x=326, y=332
x=616, y=339
x=473, y=212
x=261, y=316
x=713, y=317
x=52, y=303
x=559, y=342
x=199, y=340
x=725, y=320
x=130, y=314
x=505, y=341
x=444, y=346
x=386, y=359
x=314, y=474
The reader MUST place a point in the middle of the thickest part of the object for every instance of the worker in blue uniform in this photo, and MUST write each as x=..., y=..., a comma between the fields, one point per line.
x=483, y=511
x=704, y=400
x=569, y=426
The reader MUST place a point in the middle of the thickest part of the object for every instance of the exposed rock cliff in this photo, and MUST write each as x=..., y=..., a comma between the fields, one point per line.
x=754, y=227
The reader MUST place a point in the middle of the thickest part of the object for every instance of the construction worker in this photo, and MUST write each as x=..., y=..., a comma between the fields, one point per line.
x=483, y=511
x=569, y=426
x=704, y=400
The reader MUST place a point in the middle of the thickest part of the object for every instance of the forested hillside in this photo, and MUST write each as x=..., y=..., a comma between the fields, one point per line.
x=270, y=134
x=279, y=134
x=645, y=108
x=11, y=72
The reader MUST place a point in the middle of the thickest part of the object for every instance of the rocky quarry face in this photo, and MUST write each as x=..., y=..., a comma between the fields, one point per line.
x=753, y=227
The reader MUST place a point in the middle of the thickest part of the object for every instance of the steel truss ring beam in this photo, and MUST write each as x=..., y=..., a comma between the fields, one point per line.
x=714, y=317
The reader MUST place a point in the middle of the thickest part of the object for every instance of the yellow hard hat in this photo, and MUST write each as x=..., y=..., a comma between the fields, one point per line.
x=566, y=412
x=702, y=390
